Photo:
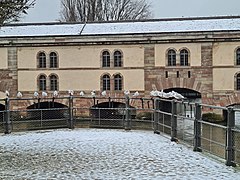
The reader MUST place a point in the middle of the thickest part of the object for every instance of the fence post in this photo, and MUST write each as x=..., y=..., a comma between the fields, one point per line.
x=127, y=123
x=174, y=121
x=197, y=128
x=8, y=124
x=156, y=116
x=230, y=154
x=70, y=109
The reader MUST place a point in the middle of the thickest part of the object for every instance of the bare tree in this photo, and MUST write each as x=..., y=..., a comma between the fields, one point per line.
x=11, y=10
x=104, y=10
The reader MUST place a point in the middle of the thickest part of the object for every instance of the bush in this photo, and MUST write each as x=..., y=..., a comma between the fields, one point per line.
x=212, y=117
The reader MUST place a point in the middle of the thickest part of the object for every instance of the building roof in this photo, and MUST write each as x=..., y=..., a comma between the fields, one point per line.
x=205, y=24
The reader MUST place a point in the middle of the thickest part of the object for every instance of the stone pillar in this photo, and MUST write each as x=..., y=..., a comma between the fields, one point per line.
x=12, y=67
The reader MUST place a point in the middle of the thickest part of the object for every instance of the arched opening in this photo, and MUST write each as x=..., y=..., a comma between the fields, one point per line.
x=47, y=110
x=2, y=107
x=189, y=94
x=111, y=110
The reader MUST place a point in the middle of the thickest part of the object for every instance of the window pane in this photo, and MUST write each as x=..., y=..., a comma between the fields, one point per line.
x=53, y=60
x=171, y=58
x=105, y=59
x=106, y=82
x=42, y=60
x=42, y=83
x=238, y=57
x=53, y=83
x=117, y=59
x=238, y=82
x=184, y=57
x=117, y=82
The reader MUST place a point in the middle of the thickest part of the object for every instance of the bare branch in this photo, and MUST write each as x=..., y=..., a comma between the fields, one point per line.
x=104, y=10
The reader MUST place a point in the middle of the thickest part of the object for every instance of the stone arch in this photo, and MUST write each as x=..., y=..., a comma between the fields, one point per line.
x=111, y=110
x=166, y=83
x=58, y=110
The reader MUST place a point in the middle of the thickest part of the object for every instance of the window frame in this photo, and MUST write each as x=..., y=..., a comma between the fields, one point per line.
x=118, y=82
x=237, y=61
x=184, y=57
x=42, y=60
x=117, y=58
x=106, y=82
x=237, y=81
x=53, y=82
x=53, y=60
x=42, y=82
x=171, y=57
x=106, y=59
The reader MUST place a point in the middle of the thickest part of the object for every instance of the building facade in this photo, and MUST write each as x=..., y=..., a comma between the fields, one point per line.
x=197, y=57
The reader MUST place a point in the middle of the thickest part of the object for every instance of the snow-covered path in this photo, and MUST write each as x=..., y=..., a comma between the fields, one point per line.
x=103, y=154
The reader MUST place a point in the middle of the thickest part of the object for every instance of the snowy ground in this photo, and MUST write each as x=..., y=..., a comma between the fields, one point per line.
x=103, y=154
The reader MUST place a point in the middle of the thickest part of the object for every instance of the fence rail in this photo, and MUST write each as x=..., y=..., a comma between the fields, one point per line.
x=206, y=128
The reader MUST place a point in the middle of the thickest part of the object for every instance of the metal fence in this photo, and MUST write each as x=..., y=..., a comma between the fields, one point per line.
x=206, y=128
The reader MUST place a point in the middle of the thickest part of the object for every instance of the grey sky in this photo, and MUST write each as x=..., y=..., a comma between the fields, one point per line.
x=48, y=10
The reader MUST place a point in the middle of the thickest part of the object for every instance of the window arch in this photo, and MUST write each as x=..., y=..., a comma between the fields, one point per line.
x=238, y=82
x=42, y=60
x=105, y=59
x=118, y=82
x=53, y=82
x=183, y=57
x=117, y=59
x=42, y=82
x=238, y=56
x=53, y=60
x=105, y=82
x=171, y=57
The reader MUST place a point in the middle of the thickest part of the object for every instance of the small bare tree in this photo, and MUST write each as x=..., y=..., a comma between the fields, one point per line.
x=104, y=10
x=11, y=10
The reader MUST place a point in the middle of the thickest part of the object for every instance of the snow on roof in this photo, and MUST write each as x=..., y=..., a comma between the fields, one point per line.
x=41, y=30
x=162, y=26
x=137, y=27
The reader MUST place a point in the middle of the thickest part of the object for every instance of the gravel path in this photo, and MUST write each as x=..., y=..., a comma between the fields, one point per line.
x=103, y=154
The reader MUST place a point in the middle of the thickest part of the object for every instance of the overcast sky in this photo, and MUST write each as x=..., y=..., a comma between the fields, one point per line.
x=48, y=10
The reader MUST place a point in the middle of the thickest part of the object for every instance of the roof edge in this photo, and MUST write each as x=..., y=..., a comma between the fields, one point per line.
x=124, y=21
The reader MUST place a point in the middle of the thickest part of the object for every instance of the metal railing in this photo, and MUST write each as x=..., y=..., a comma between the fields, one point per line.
x=182, y=121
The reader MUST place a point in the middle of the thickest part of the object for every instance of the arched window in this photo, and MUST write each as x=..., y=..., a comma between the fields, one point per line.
x=118, y=82
x=53, y=60
x=184, y=57
x=238, y=82
x=238, y=56
x=106, y=82
x=42, y=60
x=171, y=58
x=42, y=82
x=105, y=59
x=53, y=83
x=117, y=59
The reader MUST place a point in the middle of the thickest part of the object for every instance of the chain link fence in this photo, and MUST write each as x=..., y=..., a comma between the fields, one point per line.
x=206, y=128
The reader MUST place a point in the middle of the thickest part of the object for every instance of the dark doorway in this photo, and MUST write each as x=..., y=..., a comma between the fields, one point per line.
x=47, y=110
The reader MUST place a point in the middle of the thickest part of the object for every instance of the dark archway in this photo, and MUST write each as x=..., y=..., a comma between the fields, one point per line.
x=2, y=107
x=111, y=110
x=46, y=105
x=48, y=110
x=187, y=93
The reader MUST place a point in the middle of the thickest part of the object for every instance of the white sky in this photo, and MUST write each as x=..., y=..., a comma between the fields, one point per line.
x=48, y=10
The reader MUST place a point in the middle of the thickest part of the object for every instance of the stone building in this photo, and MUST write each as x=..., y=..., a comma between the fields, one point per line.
x=197, y=57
